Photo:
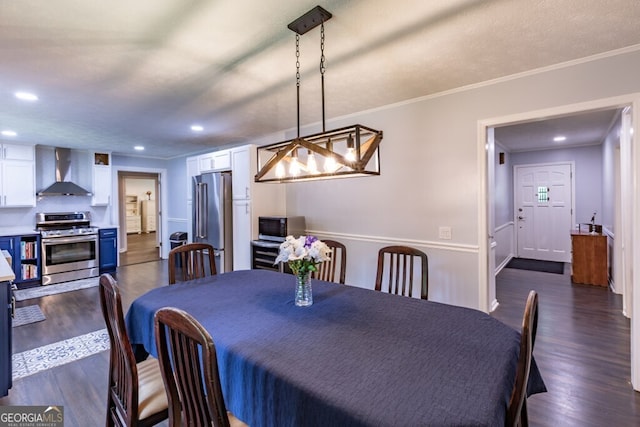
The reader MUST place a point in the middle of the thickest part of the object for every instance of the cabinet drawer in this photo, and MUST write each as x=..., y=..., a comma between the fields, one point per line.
x=108, y=232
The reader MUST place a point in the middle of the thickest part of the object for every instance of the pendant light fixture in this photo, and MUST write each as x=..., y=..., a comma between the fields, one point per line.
x=345, y=152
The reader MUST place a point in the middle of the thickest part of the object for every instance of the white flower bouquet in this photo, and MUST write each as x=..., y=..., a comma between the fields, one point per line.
x=303, y=254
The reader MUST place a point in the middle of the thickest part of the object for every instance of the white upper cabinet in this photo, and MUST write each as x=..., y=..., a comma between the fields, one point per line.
x=18, y=152
x=243, y=170
x=242, y=234
x=101, y=178
x=18, y=184
x=17, y=176
x=216, y=161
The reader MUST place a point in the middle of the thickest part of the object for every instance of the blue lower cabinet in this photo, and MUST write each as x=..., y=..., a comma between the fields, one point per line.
x=6, y=243
x=25, y=254
x=5, y=338
x=108, y=251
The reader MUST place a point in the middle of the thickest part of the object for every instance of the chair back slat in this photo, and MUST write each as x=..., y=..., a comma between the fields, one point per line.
x=123, y=373
x=195, y=260
x=397, y=273
x=122, y=394
x=189, y=370
x=515, y=414
x=337, y=263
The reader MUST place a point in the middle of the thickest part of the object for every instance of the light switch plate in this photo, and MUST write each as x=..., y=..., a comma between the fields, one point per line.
x=444, y=233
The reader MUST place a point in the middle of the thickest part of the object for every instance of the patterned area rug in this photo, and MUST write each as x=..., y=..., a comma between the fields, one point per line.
x=27, y=315
x=59, y=353
x=58, y=288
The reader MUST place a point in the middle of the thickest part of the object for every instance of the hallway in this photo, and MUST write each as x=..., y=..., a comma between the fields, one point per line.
x=582, y=349
x=140, y=248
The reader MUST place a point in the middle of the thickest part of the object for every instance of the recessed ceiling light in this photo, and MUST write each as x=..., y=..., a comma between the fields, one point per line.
x=26, y=96
x=559, y=138
x=197, y=128
x=138, y=148
x=9, y=133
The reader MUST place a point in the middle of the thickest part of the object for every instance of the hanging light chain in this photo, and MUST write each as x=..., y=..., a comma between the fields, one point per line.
x=297, y=60
x=298, y=80
x=323, y=66
x=322, y=70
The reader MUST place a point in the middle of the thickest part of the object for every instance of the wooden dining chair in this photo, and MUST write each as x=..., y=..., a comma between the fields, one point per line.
x=196, y=260
x=136, y=395
x=190, y=371
x=338, y=262
x=516, y=411
x=396, y=271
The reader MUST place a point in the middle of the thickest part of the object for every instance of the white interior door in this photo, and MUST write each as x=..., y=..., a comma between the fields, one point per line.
x=543, y=210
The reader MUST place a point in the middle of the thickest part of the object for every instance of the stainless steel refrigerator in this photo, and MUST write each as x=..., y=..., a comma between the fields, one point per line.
x=212, y=216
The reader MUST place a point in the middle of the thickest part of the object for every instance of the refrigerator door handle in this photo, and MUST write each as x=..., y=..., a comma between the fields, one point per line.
x=196, y=210
x=205, y=208
x=204, y=214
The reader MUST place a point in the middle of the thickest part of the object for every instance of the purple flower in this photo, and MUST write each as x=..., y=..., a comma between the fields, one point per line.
x=309, y=241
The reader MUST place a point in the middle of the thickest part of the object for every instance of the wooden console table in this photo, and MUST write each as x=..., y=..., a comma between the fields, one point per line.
x=589, y=258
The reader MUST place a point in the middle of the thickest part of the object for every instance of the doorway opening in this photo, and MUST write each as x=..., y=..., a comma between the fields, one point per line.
x=624, y=201
x=139, y=201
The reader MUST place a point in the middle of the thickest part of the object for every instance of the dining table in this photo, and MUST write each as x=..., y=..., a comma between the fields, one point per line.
x=356, y=357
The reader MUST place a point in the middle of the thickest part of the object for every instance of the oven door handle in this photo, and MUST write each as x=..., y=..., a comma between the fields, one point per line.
x=74, y=239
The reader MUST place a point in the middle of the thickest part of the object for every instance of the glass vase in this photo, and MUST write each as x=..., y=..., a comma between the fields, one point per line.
x=304, y=296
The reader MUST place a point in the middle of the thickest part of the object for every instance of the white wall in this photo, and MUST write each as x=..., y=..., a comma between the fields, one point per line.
x=430, y=176
x=503, y=190
x=503, y=227
x=609, y=147
x=611, y=186
x=178, y=215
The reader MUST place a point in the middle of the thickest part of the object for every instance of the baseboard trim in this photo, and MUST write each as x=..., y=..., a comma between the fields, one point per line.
x=504, y=263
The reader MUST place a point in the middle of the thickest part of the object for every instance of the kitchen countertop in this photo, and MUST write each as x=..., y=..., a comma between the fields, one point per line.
x=6, y=273
x=104, y=225
x=26, y=230
x=18, y=231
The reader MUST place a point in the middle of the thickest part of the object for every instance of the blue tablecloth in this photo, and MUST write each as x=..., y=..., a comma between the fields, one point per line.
x=355, y=358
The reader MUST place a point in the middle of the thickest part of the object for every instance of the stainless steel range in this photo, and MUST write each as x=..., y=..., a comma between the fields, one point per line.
x=69, y=246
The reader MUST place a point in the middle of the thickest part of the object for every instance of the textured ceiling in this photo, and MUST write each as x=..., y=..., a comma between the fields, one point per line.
x=589, y=128
x=114, y=74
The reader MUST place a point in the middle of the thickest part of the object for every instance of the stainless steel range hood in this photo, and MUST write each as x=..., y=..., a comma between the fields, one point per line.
x=63, y=186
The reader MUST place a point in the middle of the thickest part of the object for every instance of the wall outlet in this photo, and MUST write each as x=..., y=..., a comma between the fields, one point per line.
x=444, y=233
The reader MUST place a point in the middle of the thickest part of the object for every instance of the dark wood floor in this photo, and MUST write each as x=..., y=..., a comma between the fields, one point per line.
x=79, y=386
x=141, y=248
x=582, y=349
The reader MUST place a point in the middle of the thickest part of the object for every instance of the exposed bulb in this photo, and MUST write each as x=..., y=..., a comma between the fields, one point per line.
x=330, y=165
x=280, y=172
x=312, y=166
x=350, y=155
x=294, y=167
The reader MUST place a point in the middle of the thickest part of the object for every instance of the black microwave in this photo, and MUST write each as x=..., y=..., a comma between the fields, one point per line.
x=277, y=228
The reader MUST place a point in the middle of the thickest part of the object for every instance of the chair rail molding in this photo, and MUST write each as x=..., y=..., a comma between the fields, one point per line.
x=458, y=247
